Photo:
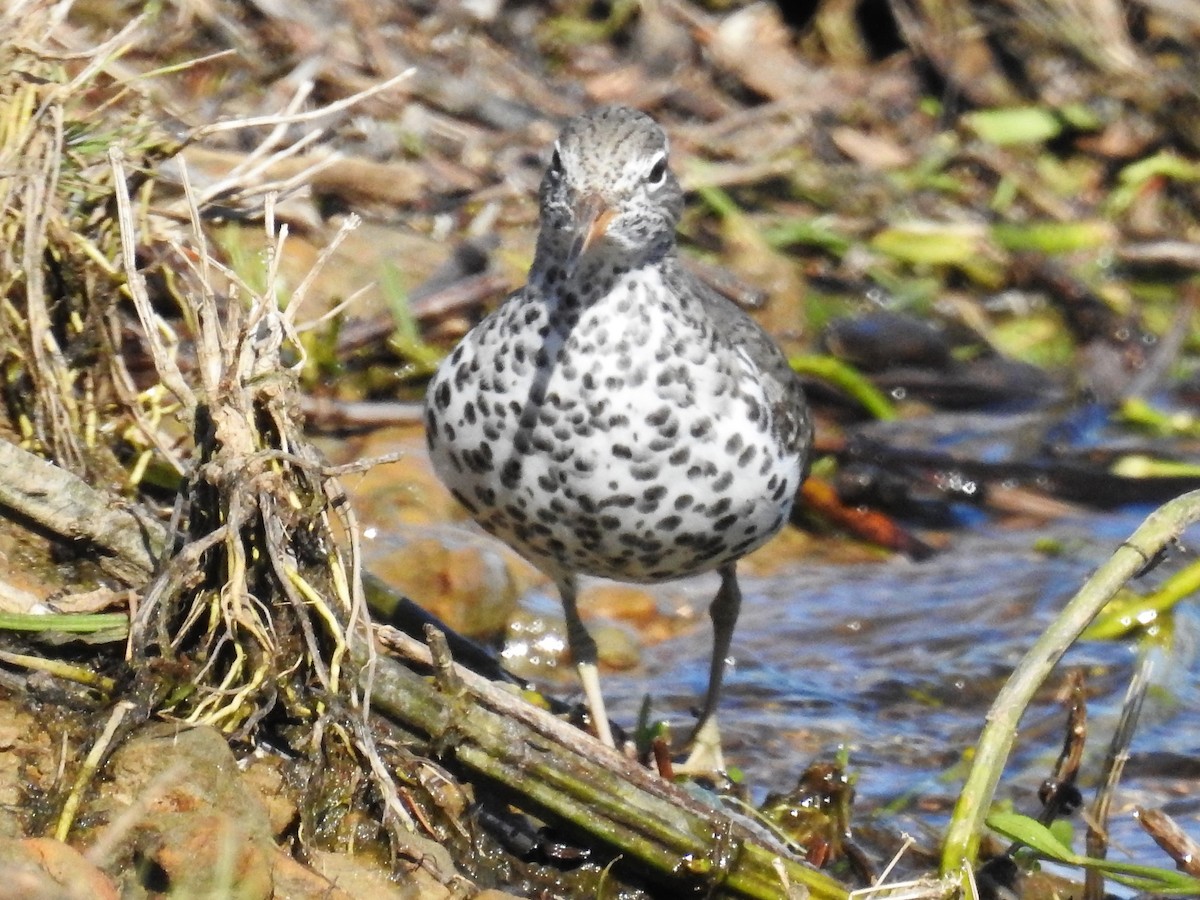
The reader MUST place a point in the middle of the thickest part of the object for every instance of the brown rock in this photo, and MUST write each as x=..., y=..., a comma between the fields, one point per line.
x=295, y=881
x=459, y=576
x=46, y=869
x=265, y=776
x=361, y=878
x=193, y=816
x=209, y=855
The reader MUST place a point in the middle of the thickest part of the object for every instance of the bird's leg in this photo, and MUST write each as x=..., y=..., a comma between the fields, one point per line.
x=583, y=651
x=706, y=740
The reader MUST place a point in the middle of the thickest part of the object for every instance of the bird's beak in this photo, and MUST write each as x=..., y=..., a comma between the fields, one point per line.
x=592, y=218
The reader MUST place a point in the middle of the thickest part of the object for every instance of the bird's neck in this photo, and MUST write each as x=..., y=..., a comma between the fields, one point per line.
x=595, y=273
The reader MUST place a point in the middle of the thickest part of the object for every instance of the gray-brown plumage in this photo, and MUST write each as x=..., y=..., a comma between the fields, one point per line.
x=615, y=416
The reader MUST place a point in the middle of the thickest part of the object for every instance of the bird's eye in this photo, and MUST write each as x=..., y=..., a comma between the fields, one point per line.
x=658, y=172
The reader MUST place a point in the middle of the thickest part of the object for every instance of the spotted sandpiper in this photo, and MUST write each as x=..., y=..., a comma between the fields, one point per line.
x=615, y=416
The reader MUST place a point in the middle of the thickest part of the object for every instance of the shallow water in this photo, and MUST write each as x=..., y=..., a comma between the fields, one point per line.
x=899, y=661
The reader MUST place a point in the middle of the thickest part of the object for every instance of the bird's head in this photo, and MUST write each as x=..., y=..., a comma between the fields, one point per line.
x=608, y=193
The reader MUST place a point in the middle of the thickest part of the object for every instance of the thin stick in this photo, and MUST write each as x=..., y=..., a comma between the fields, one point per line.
x=90, y=766
x=164, y=360
x=1114, y=766
x=310, y=115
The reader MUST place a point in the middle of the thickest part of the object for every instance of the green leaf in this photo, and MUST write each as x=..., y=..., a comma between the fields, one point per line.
x=1032, y=834
x=1038, y=838
x=1053, y=237
x=1134, y=177
x=1015, y=125
x=406, y=339
x=965, y=246
x=931, y=243
x=837, y=373
x=808, y=232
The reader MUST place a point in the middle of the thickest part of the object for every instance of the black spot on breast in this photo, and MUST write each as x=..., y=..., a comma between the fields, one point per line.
x=510, y=474
x=644, y=471
x=476, y=460
x=734, y=444
x=620, y=451
x=669, y=523
x=680, y=456
x=659, y=417
x=683, y=501
x=723, y=523
x=650, y=499
x=723, y=482
x=701, y=427
x=430, y=429
x=441, y=396
x=621, y=501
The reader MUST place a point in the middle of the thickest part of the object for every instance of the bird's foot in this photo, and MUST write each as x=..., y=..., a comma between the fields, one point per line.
x=705, y=759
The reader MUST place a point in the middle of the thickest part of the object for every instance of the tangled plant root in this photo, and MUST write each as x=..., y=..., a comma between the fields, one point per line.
x=260, y=617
